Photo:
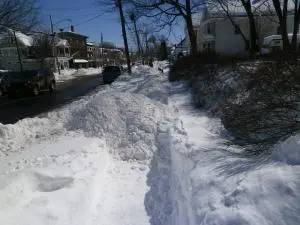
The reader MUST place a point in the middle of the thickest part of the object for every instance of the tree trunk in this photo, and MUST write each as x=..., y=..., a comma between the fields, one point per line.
x=282, y=16
x=140, y=49
x=119, y=5
x=252, y=27
x=296, y=26
x=190, y=28
x=234, y=24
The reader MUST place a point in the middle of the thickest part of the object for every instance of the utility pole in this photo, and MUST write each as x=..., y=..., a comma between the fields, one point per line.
x=119, y=5
x=101, y=51
x=53, y=46
x=18, y=50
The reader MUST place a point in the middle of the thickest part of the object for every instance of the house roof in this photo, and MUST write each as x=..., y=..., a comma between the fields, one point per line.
x=70, y=33
x=22, y=38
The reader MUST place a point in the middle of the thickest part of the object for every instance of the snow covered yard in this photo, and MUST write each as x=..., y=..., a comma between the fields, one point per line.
x=73, y=73
x=138, y=153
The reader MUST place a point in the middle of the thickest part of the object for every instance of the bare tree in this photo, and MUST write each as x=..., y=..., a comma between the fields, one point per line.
x=19, y=14
x=42, y=46
x=166, y=12
x=296, y=25
x=133, y=19
x=253, y=32
x=281, y=12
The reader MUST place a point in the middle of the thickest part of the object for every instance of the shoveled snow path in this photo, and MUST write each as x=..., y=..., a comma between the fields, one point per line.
x=138, y=153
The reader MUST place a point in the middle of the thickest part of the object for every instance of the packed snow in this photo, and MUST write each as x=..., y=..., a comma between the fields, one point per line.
x=70, y=74
x=137, y=153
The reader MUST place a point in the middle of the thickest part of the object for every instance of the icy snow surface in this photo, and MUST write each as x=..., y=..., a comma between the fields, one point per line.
x=73, y=73
x=137, y=153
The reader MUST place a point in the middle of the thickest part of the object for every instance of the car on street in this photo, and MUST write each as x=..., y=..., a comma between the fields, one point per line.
x=31, y=82
x=110, y=73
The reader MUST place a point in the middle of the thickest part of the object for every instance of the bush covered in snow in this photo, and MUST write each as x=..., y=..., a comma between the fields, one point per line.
x=258, y=102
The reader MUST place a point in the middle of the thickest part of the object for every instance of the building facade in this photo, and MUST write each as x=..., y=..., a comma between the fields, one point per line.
x=78, y=47
x=217, y=33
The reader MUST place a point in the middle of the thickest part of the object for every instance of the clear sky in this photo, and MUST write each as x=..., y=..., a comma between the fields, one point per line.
x=87, y=18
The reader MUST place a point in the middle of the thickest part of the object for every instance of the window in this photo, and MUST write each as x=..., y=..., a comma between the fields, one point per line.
x=61, y=51
x=210, y=28
x=67, y=50
x=237, y=29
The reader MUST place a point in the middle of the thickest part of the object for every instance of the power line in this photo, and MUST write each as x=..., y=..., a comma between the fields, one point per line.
x=68, y=9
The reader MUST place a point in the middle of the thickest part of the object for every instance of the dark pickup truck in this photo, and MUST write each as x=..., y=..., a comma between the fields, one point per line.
x=31, y=82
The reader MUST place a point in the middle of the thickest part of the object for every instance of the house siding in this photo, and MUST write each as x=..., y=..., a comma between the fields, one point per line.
x=227, y=42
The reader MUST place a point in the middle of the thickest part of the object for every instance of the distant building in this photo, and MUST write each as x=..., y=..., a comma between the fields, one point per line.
x=31, y=53
x=78, y=47
x=93, y=55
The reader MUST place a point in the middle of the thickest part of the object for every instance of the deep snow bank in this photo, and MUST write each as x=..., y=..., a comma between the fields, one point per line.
x=73, y=73
x=213, y=184
x=128, y=122
x=176, y=166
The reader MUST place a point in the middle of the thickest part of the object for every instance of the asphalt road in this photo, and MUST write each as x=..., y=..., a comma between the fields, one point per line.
x=14, y=109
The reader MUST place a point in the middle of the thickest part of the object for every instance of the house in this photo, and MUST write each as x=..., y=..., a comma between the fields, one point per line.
x=217, y=33
x=33, y=50
x=93, y=54
x=63, y=53
x=78, y=47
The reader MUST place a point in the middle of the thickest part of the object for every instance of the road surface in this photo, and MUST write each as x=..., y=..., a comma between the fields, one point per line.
x=12, y=110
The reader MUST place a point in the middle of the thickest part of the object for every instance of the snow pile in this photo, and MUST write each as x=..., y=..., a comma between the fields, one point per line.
x=288, y=151
x=162, y=66
x=212, y=183
x=128, y=122
x=17, y=137
x=176, y=167
x=73, y=73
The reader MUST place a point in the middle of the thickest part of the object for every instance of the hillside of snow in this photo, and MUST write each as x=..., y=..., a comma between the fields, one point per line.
x=137, y=152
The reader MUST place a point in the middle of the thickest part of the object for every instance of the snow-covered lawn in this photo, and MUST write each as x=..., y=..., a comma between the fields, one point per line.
x=138, y=153
x=73, y=73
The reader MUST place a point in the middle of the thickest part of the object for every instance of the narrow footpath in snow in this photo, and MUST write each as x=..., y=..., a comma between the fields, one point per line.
x=138, y=153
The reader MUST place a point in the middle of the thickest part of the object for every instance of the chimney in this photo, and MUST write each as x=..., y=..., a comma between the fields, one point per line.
x=72, y=28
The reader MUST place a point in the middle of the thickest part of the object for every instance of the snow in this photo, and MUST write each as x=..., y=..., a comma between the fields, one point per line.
x=24, y=39
x=63, y=43
x=137, y=153
x=80, y=61
x=288, y=151
x=70, y=74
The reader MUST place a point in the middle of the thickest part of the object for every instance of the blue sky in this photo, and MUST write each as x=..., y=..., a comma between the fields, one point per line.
x=88, y=19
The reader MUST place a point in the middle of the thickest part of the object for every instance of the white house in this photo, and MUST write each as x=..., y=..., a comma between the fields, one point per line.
x=216, y=32
x=9, y=59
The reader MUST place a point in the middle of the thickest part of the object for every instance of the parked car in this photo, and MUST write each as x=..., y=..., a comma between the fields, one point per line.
x=31, y=82
x=4, y=83
x=273, y=43
x=110, y=73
